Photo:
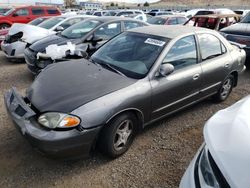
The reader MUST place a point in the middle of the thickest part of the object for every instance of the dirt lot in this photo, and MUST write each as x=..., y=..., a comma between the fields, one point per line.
x=158, y=157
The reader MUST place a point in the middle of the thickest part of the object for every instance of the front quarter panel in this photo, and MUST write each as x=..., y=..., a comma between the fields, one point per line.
x=136, y=97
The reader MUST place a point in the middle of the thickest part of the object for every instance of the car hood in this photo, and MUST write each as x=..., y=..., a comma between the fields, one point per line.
x=68, y=85
x=41, y=45
x=238, y=29
x=31, y=33
x=227, y=135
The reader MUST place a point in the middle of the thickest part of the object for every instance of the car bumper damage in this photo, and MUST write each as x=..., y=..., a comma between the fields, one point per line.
x=54, y=143
x=14, y=50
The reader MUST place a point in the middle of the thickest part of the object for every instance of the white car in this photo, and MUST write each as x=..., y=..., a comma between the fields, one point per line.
x=21, y=36
x=137, y=14
x=223, y=161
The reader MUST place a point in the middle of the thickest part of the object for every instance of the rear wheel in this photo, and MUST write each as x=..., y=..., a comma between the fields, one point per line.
x=225, y=89
x=4, y=26
x=118, y=135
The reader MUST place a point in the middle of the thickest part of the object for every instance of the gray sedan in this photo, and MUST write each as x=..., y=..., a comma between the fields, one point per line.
x=138, y=77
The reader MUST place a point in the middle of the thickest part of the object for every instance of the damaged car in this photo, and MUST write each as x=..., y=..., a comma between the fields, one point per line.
x=223, y=159
x=240, y=33
x=21, y=36
x=136, y=78
x=4, y=32
x=74, y=42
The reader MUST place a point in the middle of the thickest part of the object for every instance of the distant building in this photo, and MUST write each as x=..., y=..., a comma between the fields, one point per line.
x=90, y=5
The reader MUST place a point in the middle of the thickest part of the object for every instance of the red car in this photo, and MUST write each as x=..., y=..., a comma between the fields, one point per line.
x=26, y=14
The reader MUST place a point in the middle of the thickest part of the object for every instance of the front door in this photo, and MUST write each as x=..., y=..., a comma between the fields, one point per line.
x=181, y=87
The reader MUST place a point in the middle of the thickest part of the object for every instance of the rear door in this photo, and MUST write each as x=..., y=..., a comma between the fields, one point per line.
x=215, y=62
x=181, y=87
x=37, y=12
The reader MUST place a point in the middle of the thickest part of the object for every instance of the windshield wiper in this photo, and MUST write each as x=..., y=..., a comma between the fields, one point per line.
x=112, y=68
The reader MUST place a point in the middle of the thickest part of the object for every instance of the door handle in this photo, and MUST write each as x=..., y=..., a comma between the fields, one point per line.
x=196, y=76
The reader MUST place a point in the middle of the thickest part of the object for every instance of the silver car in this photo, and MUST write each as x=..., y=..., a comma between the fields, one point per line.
x=21, y=36
x=223, y=161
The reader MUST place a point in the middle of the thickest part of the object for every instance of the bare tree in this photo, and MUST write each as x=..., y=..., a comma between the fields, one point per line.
x=69, y=3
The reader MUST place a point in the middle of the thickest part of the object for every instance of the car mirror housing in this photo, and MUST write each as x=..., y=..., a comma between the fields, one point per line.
x=166, y=69
x=59, y=28
x=14, y=15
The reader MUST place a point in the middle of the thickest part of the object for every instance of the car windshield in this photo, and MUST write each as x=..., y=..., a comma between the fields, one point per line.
x=131, y=54
x=51, y=22
x=157, y=21
x=246, y=19
x=8, y=12
x=80, y=29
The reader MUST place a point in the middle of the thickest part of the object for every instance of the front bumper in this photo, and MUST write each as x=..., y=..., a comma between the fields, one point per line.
x=14, y=50
x=188, y=179
x=54, y=143
x=32, y=61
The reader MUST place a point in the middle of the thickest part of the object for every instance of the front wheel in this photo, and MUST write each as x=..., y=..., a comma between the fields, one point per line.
x=118, y=135
x=4, y=26
x=225, y=89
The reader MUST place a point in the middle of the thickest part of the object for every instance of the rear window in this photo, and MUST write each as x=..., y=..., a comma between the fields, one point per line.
x=53, y=11
x=37, y=11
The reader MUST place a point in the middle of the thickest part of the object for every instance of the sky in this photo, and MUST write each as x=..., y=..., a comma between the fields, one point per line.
x=61, y=1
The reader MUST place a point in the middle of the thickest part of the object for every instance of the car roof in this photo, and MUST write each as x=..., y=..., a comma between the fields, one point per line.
x=112, y=18
x=170, y=16
x=171, y=31
x=217, y=16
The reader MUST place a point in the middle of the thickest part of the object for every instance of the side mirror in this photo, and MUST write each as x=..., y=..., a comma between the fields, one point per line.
x=166, y=69
x=94, y=39
x=59, y=28
x=14, y=15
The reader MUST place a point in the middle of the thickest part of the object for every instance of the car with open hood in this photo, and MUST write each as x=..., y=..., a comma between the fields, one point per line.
x=224, y=158
x=240, y=33
x=136, y=78
x=20, y=36
x=86, y=36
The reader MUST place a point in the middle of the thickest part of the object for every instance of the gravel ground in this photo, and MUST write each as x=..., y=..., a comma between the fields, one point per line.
x=158, y=157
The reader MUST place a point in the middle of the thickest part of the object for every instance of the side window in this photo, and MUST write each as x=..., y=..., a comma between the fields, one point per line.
x=22, y=12
x=183, y=53
x=172, y=21
x=70, y=22
x=97, y=14
x=210, y=46
x=108, y=31
x=181, y=20
x=37, y=11
x=52, y=11
x=130, y=25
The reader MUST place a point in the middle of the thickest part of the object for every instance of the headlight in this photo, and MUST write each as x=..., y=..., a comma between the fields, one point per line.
x=206, y=174
x=54, y=120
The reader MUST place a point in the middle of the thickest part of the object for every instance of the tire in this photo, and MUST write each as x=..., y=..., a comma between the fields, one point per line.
x=4, y=26
x=117, y=136
x=225, y=89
